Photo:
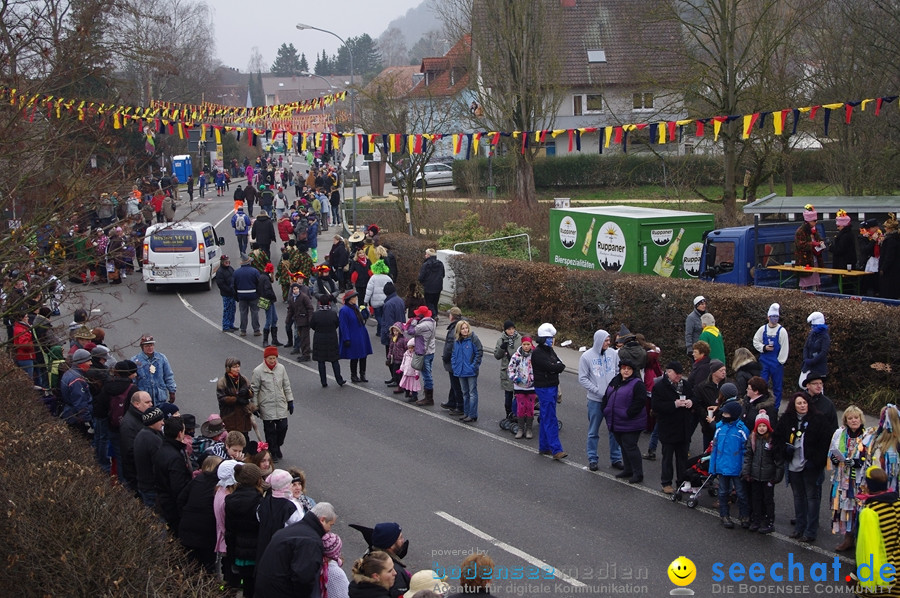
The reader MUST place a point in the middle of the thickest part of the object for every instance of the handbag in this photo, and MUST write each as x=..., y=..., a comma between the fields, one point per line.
x=263, y=303
x=418, y=362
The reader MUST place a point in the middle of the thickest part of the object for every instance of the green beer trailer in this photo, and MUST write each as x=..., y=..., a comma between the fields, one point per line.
x=629, y=239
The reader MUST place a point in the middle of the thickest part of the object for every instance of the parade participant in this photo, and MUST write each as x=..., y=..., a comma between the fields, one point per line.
x=355, y=343
x=547, y=367
x=154, y=374
x=325, y=346
x=848, y=454
x=808, y=248
x=235, y=398
x=771, y=341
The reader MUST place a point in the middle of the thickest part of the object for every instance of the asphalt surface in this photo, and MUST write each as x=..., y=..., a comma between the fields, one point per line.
x=552, y=528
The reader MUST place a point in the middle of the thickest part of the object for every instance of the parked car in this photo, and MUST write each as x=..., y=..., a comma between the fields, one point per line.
x=434, y=174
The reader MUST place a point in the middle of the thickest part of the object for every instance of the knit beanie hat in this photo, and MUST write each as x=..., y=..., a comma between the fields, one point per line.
x=411, y=342
x=270, y=350
x=280, y=481
x=842, y=218
x=389, y=288
x=546, y=330
x=728, y=390
x=331, y=547
x=81, y=356
x=152, y=415
x=731, y=410
x=762, y=418
x=809, y=213
x=715, y=365
x=385, y=534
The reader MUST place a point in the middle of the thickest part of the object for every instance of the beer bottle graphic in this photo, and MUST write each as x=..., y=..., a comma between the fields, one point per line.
x=664, y=264
x=588, y=237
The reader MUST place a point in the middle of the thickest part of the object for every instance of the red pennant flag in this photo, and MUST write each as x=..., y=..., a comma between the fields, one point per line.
x=171, y=129
x=417, y=147
x=848, y=113
x=671, y=127
x=878, y=106
x=495, y=138
x=618, y=135
x=700, y=131
x=571, y=139
x=812, y=112
x=543, y=135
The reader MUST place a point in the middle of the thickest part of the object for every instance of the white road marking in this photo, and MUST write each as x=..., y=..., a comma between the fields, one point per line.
x=533, y=560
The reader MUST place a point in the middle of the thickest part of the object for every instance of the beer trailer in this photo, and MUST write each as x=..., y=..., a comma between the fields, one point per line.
x=629, y=239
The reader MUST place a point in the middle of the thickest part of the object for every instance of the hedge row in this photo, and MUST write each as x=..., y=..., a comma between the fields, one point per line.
x=864, y=362
x=67, y=531
x=624, y=170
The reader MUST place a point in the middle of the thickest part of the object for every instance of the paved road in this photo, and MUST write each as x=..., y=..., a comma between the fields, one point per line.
x=457, y=488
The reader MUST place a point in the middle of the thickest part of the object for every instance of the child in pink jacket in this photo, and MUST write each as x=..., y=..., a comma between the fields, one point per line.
x=410, y=381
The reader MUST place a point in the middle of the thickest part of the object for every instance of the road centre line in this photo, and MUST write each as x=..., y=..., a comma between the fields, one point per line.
x=510, y=549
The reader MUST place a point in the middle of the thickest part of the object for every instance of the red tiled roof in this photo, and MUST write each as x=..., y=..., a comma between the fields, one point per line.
x=445, y=75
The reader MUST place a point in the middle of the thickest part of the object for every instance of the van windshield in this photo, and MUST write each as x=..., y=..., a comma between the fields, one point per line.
x=173, y=241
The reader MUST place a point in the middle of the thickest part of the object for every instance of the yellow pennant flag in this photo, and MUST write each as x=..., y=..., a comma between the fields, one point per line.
x=717, y=126
x=476, y=139
x=290, y=140
x=862, y=106
x=661, y=128
x=411, y=144
x=116, y=123
x=607, y=135
x=218, y=135
x=202, y=132
x=302, y=142
x=778, y=122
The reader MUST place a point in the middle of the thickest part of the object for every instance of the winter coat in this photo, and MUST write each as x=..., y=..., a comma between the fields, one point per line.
x=597, y=368
x=889, y=266
x=113, y=388
x=159, y=383
x=727, y=457
x=396, y=348
x=632, y=352
x=431, y=275
x=274, y=513
x=128, y=431
x=424, y=332
x=467, y=354
x=225, y=281
x=449, y=341
x=705, y=395
x=366, y=589
x=713, y=337
x=241, y=525
x=300, y=309
x=76, y=397
x=410, y=379
x=146, y=443
x=394, y=311
x=375, y=296
x=171, y=474
x=692, y=329
x=291, y=564
x=743, y=374
x=816, y=438
x=324, y=324
x=805, y=241
x=285, y=229
x=815, y=350
x=263, y=229
x=675, y=423
x=271, y=391
x=546, y=365
x=247, y=223
x=338, y=256
x=843, y=249
x=624, y=404
x=826, y=410
x=246, y=280
x=234, y=403
x=520, y=371
x=363, y=272
x=197, y=528
x=355, y=343
x=762, y=461
x=503, y=350
x=169, y=209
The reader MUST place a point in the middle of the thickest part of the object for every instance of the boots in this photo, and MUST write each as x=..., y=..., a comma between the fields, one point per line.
x=362, y=371
x=847, y=544
x=428, y=399
x=529, y=422
x=265, y=337
x=520, y=433
x=275, y=337
x=289, y=331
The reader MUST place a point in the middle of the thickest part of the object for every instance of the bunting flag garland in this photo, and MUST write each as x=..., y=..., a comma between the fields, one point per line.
x=162, y=118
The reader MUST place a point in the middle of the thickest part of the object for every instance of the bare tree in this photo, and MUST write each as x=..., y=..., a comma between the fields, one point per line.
x=257, y=63
x=393, y=48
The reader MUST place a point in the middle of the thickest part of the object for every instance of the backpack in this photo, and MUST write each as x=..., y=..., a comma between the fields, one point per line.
x=240, y=223
x=117, y=407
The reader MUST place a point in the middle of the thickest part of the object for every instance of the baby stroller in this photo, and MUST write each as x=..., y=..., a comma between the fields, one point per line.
x=696, y=478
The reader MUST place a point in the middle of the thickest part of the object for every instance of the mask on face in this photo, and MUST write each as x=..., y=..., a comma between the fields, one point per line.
x=549, y=342
x=404, y=548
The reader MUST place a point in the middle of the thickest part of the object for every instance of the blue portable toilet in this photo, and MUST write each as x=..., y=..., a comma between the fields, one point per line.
x=182, y=167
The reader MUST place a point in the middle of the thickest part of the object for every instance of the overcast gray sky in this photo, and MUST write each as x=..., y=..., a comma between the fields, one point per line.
x=240, y=25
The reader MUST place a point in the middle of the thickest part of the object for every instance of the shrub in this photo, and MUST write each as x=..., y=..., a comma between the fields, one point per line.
x=67, y=531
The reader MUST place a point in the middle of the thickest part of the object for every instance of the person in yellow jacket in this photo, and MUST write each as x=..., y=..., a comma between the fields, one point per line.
x=878, y=540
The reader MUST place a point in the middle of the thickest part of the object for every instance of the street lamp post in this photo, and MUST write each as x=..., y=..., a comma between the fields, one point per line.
x=301, y=27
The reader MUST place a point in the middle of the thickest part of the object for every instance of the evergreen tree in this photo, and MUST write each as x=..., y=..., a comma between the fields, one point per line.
x=287, y=63
x=304, y=65
x=324, y=66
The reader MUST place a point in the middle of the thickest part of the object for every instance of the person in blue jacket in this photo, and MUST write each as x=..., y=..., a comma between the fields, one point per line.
x=465, y=362
x=154, y=374
x=726, y=461
x=355, y=343
x=815, y=350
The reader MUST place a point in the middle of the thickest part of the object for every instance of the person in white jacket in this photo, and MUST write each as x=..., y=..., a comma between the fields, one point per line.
x=771, y=341
x=274, y=400
x=597, y=366
x=375, y=296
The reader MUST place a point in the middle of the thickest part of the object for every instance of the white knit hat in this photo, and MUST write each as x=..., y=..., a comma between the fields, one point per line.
x=546, y=330
x=774, y=310
x=815, y=318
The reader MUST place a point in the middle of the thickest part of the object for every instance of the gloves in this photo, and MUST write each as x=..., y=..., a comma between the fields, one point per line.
x=835, y=461
x=291, y=407
x=171, y=396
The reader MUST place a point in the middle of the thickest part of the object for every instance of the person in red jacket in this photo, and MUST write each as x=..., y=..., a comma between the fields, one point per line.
x=23, y=344
x=285, y=227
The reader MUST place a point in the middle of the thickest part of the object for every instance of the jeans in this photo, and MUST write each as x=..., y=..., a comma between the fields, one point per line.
x=807, y=488
x=595, y=417
x=27, y=366
x=726, y=483
x=242, y=242
x=379, y=316
x=548, y=436
x=654, y=439
x=679, y=451
x=271, y=317
x=427, y=378
x=101, y=442
x=245, y=305
x=469, y=385
x=455, y=396
x=336, y=368
x=279, y=212
x=148, y=497
x=275, y=431
x=631, y=453
x=228, y=306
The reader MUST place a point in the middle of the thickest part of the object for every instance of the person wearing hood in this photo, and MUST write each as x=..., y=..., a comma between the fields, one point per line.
x=263, y=230
x=669, y=400
x=624, y=406
x=771, y=342
x=299, y=313
x=745, y=366
x=171, y=471
x=815, y=350
x=692, y=325
x=713, y=337
x=630, y=349
x=547, y=367
x=387, y=538
x=727, y=460
x=596, y=369
x=375, y=295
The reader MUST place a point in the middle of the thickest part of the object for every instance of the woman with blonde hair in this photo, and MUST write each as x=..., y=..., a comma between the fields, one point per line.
x=373, y=575
x=848, y=454
x=884, y=450
x=465, y=362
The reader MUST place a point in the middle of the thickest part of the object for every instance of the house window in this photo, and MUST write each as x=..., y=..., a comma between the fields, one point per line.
x=642, y=101
x=587, y=103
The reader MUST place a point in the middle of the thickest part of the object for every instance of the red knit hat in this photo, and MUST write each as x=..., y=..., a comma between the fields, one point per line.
x=270, y=350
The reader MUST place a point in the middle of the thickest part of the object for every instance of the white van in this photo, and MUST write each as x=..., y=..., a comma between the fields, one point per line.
x=181, y=253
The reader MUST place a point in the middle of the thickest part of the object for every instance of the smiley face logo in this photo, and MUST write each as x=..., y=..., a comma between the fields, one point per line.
x=682, y=571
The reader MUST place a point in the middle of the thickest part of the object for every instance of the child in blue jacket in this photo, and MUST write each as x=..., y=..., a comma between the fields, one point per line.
x=726, y=461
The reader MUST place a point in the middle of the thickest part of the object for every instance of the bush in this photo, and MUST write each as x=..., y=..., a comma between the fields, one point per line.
x=67, y=531
x=468, y=228
x=864, y=365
